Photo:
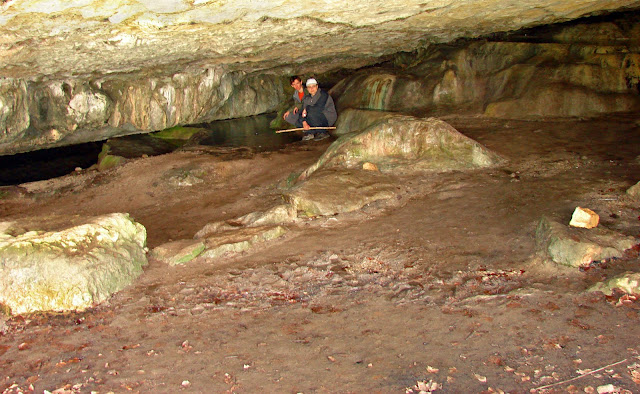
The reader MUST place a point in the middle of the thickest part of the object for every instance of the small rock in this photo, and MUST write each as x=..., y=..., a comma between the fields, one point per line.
x=585, y=218
x=607, y=388
x=629, y=282
x=370, y=167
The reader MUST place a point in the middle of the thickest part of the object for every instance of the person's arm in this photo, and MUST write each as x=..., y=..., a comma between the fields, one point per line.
x=330, y=111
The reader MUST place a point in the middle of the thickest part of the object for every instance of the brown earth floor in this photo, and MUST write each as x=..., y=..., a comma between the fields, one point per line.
x=442, y=285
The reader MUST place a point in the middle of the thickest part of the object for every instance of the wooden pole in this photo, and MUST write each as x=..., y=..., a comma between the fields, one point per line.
x=302, y=128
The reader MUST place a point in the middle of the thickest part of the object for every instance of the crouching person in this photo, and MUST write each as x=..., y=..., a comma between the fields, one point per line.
x=293, y=115
x=318, y=110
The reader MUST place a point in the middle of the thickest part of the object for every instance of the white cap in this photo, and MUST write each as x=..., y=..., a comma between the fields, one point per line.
x=311, y=81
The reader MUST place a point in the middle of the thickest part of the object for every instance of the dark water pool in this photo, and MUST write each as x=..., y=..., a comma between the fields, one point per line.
x=253, y=132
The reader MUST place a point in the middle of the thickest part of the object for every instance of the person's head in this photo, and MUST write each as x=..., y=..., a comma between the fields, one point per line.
x=296, y=82
x=312, y=86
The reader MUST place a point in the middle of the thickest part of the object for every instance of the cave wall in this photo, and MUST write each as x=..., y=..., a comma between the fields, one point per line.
x=87, y=71
x=57, y=113
x=577, y=70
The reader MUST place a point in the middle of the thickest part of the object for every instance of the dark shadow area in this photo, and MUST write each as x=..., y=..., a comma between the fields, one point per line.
x=47, y=163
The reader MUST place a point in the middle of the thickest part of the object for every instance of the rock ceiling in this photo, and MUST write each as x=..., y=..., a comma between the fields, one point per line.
x=57, y=39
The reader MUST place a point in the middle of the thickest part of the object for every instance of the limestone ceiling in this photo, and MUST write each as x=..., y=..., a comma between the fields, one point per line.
x=58, y=39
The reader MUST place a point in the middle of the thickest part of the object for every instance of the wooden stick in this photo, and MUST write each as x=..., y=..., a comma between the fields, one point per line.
x=302, y=128
x=579, y=376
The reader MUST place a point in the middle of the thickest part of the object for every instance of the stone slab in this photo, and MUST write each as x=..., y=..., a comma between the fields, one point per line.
x=337, y=191
x=240, y=240
x=178, y=252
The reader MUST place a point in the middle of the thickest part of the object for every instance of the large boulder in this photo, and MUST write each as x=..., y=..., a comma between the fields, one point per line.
x=578, y=247
x=63, y=264
x=406, y=144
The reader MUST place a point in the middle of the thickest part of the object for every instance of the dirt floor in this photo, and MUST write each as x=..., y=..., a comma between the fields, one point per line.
x=440, y=290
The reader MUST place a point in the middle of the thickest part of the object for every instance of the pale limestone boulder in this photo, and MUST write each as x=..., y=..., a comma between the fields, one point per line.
x=240, y=240
x=178, y=252
x=628, y=282
x=69, y=267
x=354, y=120
x=331, y=192
x=406, y=144
x=584, y=218
x=279, y=214
x=634, y=191
x=576, y=247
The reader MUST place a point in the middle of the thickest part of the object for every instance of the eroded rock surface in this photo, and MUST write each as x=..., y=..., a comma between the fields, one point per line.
x=337, y=191
x=279, y=214
x=178, y=252
x=37, y=114
x=68, y=268
x=240, y=240
x=634, y=191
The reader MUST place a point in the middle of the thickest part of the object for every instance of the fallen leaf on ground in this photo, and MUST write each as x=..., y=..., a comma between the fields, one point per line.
x=482, y=379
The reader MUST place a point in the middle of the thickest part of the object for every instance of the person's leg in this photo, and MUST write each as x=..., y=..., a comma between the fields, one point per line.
x=294, y=119
x=316, y=119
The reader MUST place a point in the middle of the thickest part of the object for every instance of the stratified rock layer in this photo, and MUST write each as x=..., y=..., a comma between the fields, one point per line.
x=71, y=268
x=574, y=70
x=57, y=113
x=240, y=240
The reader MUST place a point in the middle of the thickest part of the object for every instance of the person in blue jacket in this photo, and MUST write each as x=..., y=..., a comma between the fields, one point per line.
x=318, y=110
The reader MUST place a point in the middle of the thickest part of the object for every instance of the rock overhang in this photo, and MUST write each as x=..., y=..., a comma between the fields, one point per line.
x=53, y=39
x=86, y=70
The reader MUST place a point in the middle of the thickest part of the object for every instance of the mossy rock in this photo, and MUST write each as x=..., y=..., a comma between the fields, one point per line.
x=178, y=133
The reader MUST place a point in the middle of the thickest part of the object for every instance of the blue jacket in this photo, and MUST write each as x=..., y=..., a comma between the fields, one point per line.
x=323, y=102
